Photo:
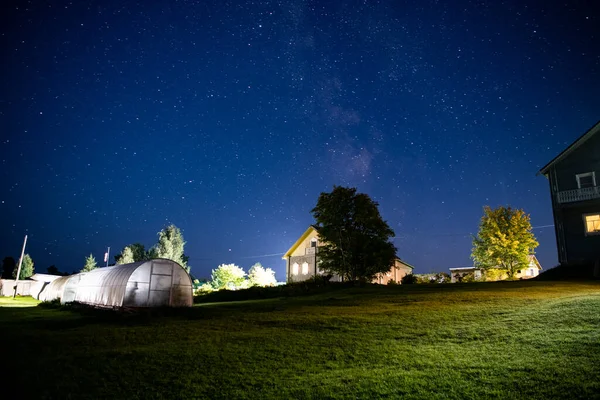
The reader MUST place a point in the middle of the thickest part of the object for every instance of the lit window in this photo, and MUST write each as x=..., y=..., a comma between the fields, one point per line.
x=586, y=180
x=295, y=269
x=592, y=224
x=304, y=268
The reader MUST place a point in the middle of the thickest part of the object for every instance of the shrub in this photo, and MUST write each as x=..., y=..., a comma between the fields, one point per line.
x=50, y=304
x=205, y=288
x=466, y=278
x=409, y=279
x=494, y=274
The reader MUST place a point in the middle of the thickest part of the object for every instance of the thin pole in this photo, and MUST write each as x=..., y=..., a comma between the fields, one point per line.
x=107, y=255
x=19, y=269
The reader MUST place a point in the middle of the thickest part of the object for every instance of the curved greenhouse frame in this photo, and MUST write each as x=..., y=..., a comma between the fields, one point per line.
x=152, y=283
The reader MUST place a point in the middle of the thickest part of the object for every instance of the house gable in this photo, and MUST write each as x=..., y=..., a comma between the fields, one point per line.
x=533, y=261
x=302, y=243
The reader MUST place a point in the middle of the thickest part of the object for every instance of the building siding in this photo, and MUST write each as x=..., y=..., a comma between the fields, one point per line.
x=586, y=158
x=572, y=243
x=578, y=246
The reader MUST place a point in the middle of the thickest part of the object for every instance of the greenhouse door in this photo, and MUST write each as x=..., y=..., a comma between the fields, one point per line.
x=161, y=282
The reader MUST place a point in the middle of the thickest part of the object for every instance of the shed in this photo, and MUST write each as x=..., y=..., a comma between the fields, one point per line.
x=152, y=283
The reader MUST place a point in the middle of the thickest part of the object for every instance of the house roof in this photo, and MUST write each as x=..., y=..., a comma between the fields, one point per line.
x=405, y=263
x=298, y=242
x=572, y=147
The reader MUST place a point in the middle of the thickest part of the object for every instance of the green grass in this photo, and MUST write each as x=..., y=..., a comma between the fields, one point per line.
x=18, y=301
x=504, y=340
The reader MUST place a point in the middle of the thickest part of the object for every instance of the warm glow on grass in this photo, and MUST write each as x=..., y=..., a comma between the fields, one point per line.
x=18, y=302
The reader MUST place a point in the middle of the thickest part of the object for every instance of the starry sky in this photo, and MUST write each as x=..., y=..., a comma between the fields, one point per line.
x=228, y=118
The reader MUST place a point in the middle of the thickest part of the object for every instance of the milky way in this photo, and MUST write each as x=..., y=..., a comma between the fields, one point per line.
x=229, y=118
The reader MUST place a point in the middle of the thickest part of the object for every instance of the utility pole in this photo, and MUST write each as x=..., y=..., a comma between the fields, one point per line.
x=19, y=268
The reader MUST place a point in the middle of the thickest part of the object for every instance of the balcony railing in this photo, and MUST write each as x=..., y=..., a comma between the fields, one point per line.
x=569, y=196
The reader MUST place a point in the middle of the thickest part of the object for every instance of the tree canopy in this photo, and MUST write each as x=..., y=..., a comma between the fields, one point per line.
x=228, y=276
x=139, y=252
x=8, y=266
x=126, y=256
x=504, y=240
x=134, y=252
x=356, y=240
x=170, y=246
x=90, y=264
x=260, y=276
x=27, y=268
x=53, y=270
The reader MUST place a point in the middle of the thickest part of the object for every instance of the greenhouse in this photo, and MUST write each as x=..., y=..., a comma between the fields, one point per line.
x=152, y=283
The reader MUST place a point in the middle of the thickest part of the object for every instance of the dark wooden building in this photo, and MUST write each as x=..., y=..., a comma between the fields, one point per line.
x=574, y=177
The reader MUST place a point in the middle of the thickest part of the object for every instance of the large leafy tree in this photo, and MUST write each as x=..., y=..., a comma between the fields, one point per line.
x=504, y=240
x=228, y=276
x=170, y=246
x=90, y=264
x=356, y=240
x=27, y=268
x=260, y=276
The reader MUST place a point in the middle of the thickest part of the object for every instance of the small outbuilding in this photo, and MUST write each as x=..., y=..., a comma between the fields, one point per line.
x=152, y=283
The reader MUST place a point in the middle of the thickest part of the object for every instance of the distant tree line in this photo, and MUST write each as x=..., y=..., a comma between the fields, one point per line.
x=10, y=266
x=170, y=245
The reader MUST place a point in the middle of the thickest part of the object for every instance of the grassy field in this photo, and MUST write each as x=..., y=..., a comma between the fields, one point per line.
x=530, y=340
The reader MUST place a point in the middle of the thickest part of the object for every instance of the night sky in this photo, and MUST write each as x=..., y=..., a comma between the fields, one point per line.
x=229, y=118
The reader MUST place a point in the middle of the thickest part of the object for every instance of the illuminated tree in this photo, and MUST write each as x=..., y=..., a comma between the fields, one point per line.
x=126, y=256
x=27, y=268
x=90, y=264
x=205, y=288
x=356, y=239
x=170, y=246
x=228, y=276
x=260, y=276
x=504, y=240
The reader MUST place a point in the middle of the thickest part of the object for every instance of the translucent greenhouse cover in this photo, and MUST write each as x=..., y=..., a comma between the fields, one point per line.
x=152, y=283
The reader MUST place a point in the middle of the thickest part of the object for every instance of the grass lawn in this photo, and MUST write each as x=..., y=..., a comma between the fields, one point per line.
x=530, y=340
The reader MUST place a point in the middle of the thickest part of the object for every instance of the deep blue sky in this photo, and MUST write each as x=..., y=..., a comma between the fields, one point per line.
x=229, y=118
